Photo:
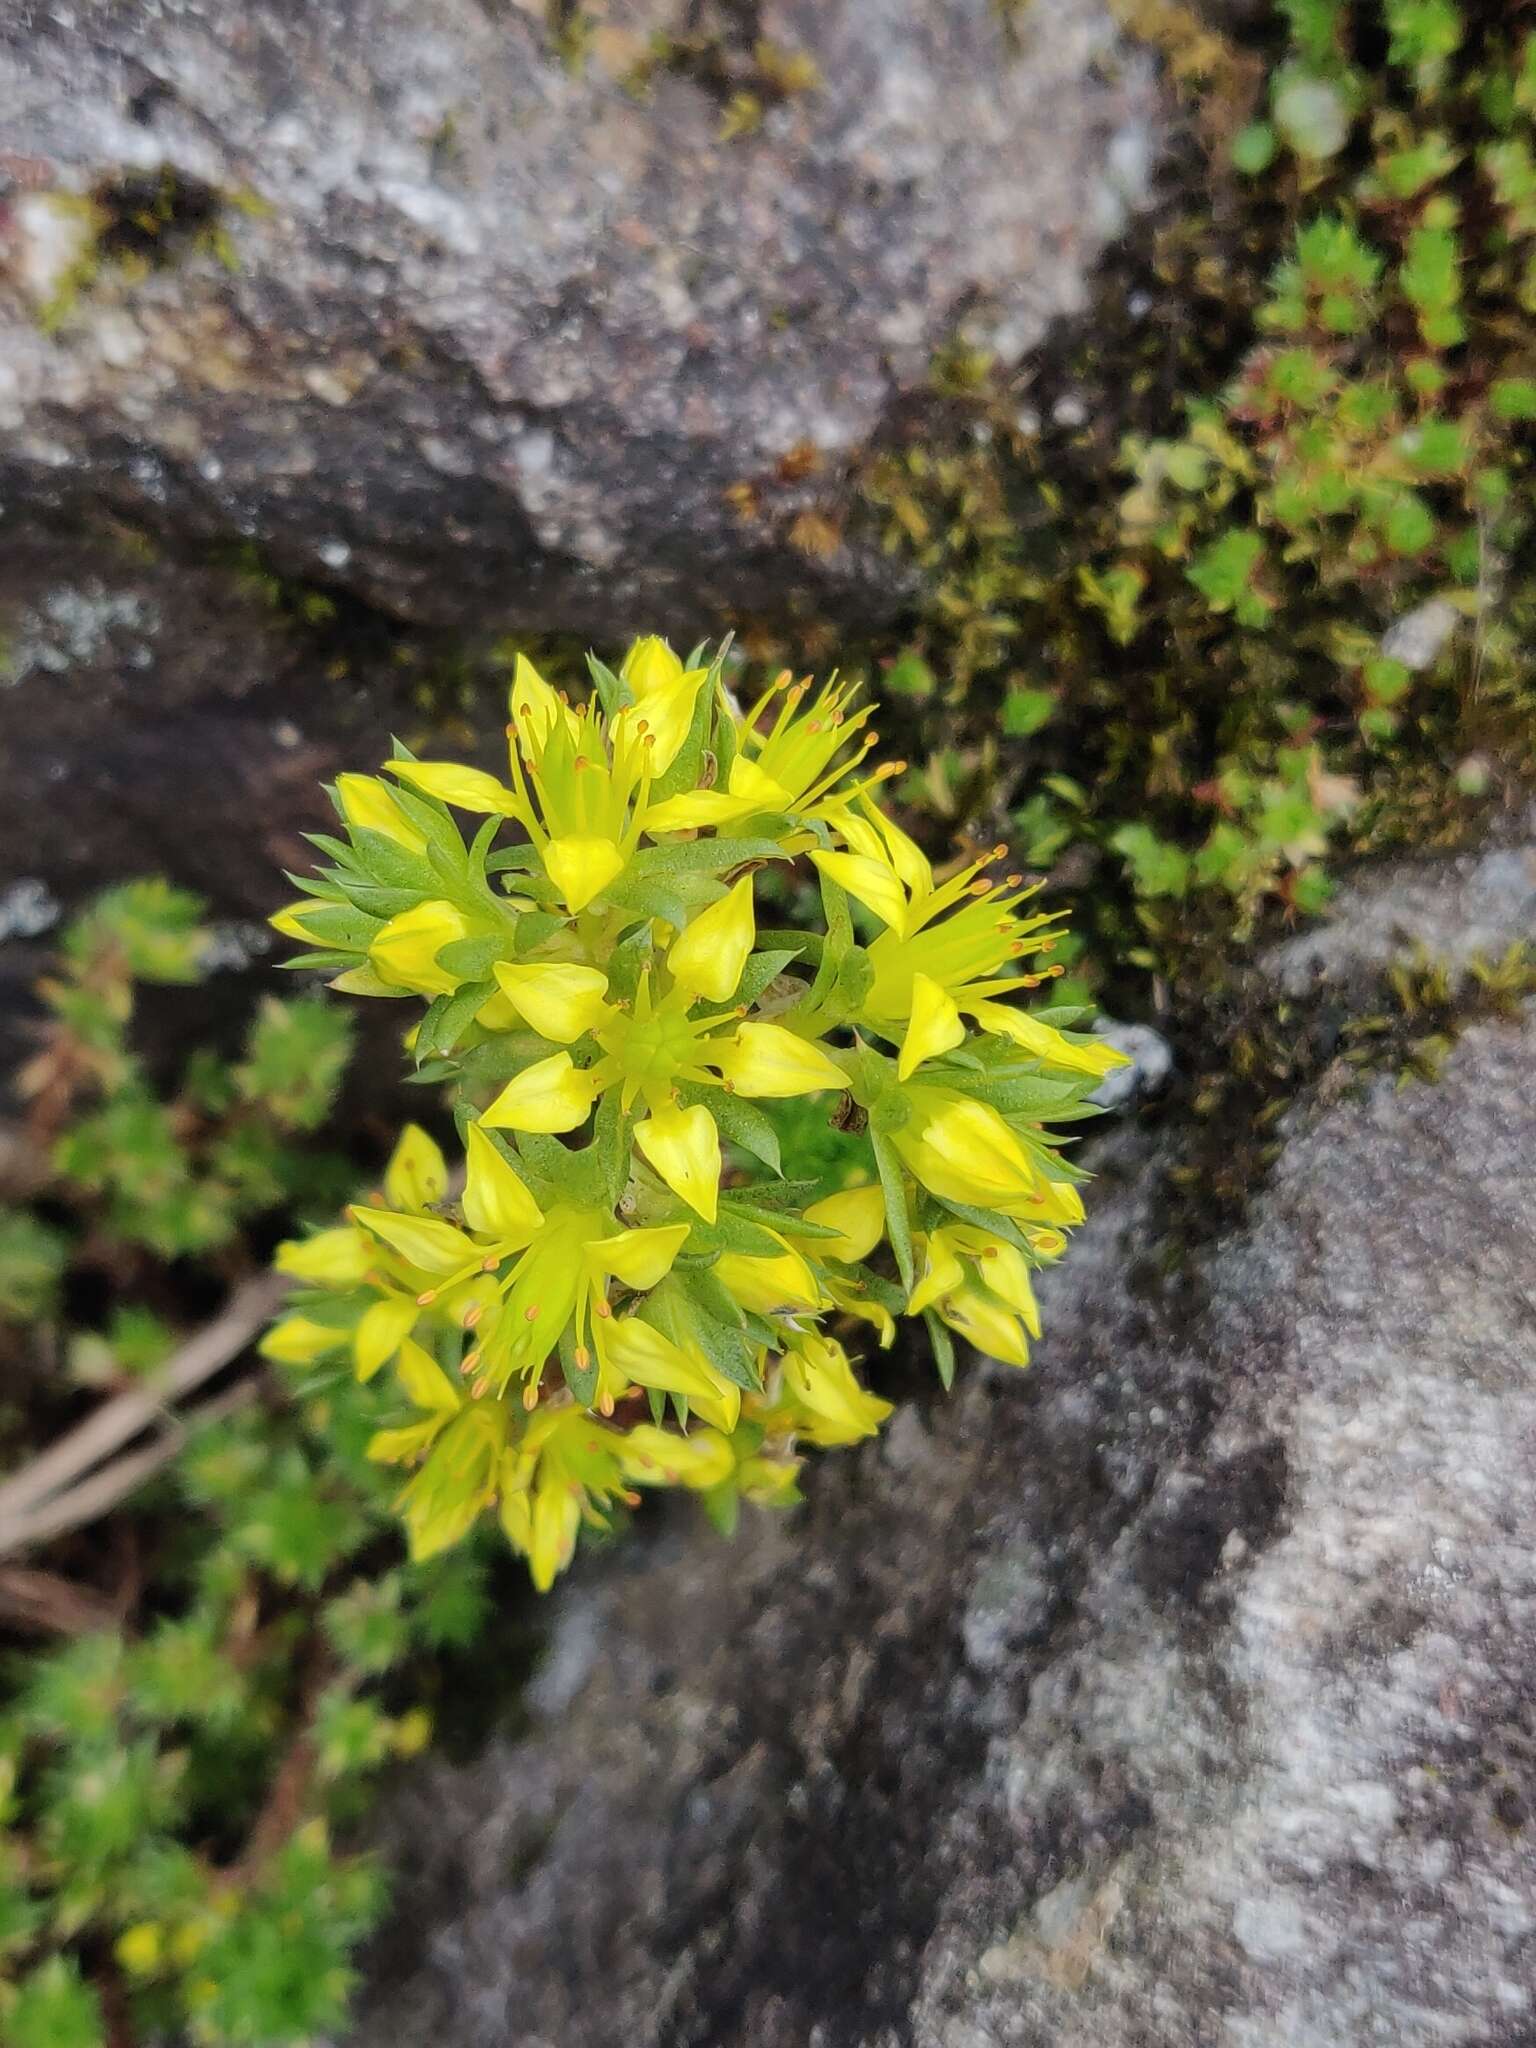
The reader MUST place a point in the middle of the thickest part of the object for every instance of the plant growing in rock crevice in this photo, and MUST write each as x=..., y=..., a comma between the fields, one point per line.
x=624, y=1290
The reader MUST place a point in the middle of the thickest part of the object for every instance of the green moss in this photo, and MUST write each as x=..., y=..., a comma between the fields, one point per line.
x=138, y=222
x=1150, y=617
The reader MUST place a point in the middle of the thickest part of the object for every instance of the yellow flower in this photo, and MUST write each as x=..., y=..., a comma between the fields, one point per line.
x=608, y=976
x=962, y=1151
x=404, y=953
x=634, y=1354
x=367, y=803
x=659, y=1457
x=578, y=786
x=832, y=1407
x=665, y=694
x=797, y=769
x=457, y=1482
x=979, y=1284
x=945, y=949
x=782, y=1284
x=563, y=1470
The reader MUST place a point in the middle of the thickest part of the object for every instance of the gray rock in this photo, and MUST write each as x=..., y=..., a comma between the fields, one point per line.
x=1177, y=1692
x=1151, y=1068
x=1475, y=905
x=485, y=336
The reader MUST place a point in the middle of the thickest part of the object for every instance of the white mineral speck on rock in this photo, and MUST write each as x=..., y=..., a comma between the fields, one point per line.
x=1419, y=638
x=28, y=908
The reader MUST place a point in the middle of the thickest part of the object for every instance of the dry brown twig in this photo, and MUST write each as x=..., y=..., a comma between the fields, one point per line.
x=78, y=1478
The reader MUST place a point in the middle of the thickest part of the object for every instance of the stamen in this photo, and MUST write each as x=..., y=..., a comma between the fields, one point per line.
x=531, y=1315
x=531, y=1396
x=426, y=1300
x=473, y=1314
x=471, y=1360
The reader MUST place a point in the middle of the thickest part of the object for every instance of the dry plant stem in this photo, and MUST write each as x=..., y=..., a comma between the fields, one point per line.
x=46, y=1604
x=103, y=1490
x=122, y=1418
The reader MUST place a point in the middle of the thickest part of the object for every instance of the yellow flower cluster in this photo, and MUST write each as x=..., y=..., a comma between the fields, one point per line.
x=621, y=1288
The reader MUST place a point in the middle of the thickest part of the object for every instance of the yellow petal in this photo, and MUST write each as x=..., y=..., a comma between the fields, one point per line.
x=298, y=1340
x=1006, y=1272
x=649, y=666
x=818, y=1375
x=423, y=1241
x=417, y=1173
x=424, y=1381
x=939, y=1270
x=363, y=981
x=770, y=1482
x=366, y=802
x=986, y=1324
x=854, y=1302
x=405, y=951
x=582, y=867
x=496, y=1203
x=756, y=787
x=858, y=1214
x=707, y=957
x=643, y=1355
x=535, y=706
x=290, y=920
x=963, y=1151
x=403, y=1446
x=684, y=1147
x=696, y=809
x=660, y=1457
x=768, y=1060
x=383, y=1329
x=497, y=1014
x=467, y=789
x=640, y=1258
x=870, y=832
x=1046, y=1042
x=769, y=1285
x=552, y=1538
x=551, y=1095
x=933, y=1027
x=333, y=1258
x=665, y=694
x=875, y=885
x=560, y=1000
x=1056, y=1202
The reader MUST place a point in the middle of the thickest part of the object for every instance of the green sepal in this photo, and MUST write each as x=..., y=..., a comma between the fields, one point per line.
x=474, y=957
x=742, y=1123
x=943, y=1348
x=448, y=1018
x=897, y=1221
